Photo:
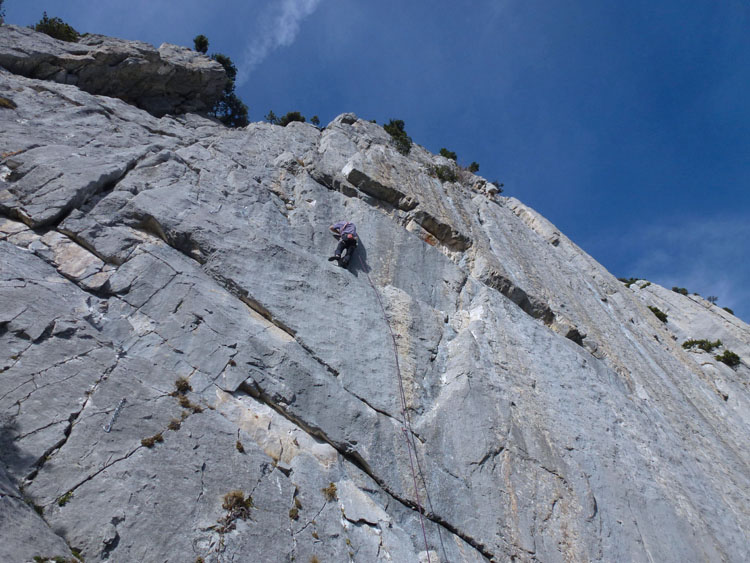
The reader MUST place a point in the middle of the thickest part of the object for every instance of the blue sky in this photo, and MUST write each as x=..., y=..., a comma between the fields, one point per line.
x=627, y=124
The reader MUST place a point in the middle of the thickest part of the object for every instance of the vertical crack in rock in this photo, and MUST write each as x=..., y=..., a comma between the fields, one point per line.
x=348, y=453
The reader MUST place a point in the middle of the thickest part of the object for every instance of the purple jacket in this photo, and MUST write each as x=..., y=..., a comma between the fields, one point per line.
x=344, y=228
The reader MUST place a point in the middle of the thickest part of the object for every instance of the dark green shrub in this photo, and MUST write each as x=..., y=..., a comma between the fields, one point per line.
x=201, y=43
x=703, y=344
x=395, y=128
x=229, y=68
x=291, y=116
x=498, y=185
x=230, y=110
x=474, y=167
x=728, y=310
x=661, y=315
x=448, y=154
x=315, y=120
x=445, y=173
x=55, y=27
x=272, y=118
x=729, y=358
x=680, y=290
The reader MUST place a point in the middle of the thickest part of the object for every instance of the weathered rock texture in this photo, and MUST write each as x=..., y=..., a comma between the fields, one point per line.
x=555, y=417
x=170, y=79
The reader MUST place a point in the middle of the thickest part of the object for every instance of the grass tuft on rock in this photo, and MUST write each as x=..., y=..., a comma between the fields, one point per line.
x=703, y=344
x=63, y=500
x=330, y=492
x=237, y=507
x=150, y=442
x=182, y=385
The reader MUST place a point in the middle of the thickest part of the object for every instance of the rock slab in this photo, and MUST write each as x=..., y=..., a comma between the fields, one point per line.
x=184, y=375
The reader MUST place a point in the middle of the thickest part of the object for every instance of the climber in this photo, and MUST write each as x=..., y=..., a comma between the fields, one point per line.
x=347, y=234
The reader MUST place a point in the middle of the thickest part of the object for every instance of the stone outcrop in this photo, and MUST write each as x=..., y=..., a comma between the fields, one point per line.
x=171, y=331
x=170, y=79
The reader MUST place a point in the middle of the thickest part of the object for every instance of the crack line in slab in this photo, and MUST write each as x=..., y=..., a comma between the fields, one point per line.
x=72, y=423
x=355, y=459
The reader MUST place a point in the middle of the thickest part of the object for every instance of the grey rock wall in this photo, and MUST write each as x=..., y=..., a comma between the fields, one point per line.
x=170, y=79
x=555, y=417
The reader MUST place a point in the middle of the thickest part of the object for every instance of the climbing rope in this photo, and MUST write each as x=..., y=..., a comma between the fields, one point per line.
x=406, y=427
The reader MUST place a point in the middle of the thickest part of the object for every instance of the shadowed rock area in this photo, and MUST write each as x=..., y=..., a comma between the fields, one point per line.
x=170, y=79
x=171, y=331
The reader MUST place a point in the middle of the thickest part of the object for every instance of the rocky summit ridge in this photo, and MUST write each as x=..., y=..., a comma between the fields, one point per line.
x=185, y=377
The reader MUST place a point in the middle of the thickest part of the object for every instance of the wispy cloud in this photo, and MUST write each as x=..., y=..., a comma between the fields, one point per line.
x=279, y=27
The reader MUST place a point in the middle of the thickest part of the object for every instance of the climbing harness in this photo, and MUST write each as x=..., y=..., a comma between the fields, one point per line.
x=114, y=416
x=406, y=427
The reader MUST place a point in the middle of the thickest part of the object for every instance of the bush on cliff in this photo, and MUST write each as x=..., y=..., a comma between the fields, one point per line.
x=395, y=128
x=448, y=154
x=55, y=27
x=291, y=116
x=661, y=315
x=703, y=344
x=285, y=120
x=729, y=358
x=445, y=173
x=201, y=43
x=230, y=110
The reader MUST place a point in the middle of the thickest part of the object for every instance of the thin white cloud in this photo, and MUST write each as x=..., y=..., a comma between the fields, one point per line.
x=279, y=27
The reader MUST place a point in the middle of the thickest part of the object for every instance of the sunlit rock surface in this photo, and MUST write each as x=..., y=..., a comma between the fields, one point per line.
x=555, y=417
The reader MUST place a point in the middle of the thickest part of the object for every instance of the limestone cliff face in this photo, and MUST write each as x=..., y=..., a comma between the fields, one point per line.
x=555, y=417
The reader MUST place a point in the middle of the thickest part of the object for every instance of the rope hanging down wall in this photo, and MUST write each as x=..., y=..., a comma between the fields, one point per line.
x=406, y=427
